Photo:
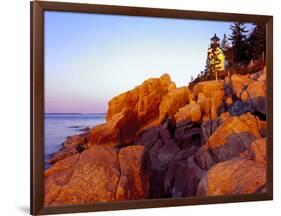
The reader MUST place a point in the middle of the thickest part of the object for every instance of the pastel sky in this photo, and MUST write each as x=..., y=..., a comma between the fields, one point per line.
x=90, y=58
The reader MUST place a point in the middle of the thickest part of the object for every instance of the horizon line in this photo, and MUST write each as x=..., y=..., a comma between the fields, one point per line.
x=73, y=113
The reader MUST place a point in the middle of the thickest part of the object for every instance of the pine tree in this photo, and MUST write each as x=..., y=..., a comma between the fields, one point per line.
x=239, y=43
x=225, y=46
x=206, y=71
x=224, y=43
x=257, y=41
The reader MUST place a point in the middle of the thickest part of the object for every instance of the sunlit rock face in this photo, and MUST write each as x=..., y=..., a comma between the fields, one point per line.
x=160, y=141
x=171, y=102
x=88, y=177
x=231, y=138
x=234, y=176
x=98, y=174
x=131, y=112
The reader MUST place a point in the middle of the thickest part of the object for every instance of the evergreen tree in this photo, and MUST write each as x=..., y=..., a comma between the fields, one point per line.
x=225, y=46
x=239, y=44
x=257, y=41
x=224, y=43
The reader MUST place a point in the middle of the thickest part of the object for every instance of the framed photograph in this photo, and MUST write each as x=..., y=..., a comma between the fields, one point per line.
x=141, y=107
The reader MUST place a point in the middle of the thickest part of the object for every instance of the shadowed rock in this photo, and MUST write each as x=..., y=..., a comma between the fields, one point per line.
x=229, y=139
x=188, y=135
x=209, y=127
x=183, y=174
x=249, y=94
x=148, y=138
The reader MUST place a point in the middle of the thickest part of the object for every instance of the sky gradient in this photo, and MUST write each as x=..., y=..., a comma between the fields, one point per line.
x=90, y=58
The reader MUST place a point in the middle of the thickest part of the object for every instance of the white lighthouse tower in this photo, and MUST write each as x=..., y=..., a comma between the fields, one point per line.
x=216, y=57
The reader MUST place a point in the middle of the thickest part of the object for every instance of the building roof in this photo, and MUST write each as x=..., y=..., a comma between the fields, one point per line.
x=215, y=38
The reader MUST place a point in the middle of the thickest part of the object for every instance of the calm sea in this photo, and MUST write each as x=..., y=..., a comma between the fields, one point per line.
x=59, y=126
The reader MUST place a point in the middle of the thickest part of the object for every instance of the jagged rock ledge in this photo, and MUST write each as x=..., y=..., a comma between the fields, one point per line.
x=162, y=141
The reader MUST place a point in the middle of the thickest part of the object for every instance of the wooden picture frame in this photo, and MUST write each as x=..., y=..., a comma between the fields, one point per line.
x=37, y=105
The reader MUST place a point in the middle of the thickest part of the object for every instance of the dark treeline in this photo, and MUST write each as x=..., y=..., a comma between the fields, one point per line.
x=242, y=48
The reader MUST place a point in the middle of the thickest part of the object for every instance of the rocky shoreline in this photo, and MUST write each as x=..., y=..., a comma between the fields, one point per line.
x=160, y=141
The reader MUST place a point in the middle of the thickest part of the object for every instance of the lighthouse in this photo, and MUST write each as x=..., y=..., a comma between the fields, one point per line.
x=215, y=57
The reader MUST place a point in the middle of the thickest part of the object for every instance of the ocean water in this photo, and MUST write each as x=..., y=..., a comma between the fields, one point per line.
x=60, y=126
